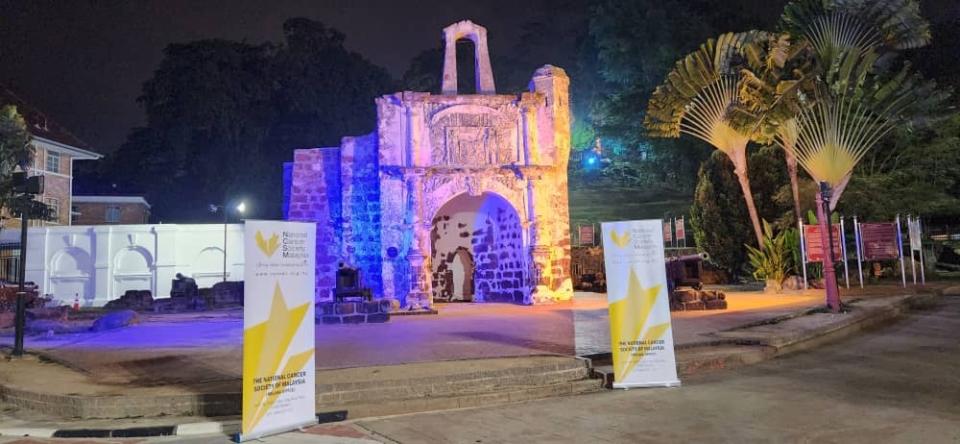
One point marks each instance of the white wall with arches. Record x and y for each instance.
(96, 264)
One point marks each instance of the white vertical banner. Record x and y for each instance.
(916, 244)
(278, 327)
(640, 331)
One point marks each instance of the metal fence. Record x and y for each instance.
(9, 262)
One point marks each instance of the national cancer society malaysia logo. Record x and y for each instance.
(620, 240)
(268, 246)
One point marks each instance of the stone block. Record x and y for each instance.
(345, 308)
(354, 319)
(370, 307)
(325, 309)
(389, 305)
(377, 318)
(330, 320)
(716, 304)
(686, 295)
(116, 319)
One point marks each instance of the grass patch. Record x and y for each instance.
(600, 201)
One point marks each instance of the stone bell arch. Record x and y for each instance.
(481, 56)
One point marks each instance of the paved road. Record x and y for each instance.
(899, 384)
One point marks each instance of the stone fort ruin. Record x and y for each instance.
(452, 197)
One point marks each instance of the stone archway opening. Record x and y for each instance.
(477, 251)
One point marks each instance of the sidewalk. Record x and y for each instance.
(785, 333)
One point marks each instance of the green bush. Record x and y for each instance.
(719, 217)
(771, 262)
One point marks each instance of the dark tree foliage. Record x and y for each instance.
(222, 116)
(14, 149)
(719, 215)
(637, 43)
(912, 172)
(768, 179)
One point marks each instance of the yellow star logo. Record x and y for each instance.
(620, 240)
(265, 345)
(268, 247)
(628, 319)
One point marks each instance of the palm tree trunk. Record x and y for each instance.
(794, 181)
(838, 190)
(739, 159)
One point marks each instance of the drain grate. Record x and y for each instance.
(136, 432)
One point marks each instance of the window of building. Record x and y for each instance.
(53, 162)
(113, 215)
(74, 214)
(54, 205)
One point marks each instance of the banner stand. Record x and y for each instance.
(903, 269)
(803, 252)
(240, 437)
(858, 239)
(626, 386)
(638, 300)
(843, 251)
(278, 388)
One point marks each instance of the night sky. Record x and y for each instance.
(83, 61)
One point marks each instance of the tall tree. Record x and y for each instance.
(718, 216)
(862, 94)
(222, 116)
(698, 98)
(14, 149)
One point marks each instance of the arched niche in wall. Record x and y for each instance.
(70, 276)
(208, 267)
(133, 269)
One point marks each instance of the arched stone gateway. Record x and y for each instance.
(392, 202)
(477, 245)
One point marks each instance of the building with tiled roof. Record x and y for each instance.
(55, 150)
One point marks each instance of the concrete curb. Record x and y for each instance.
(32, 432)
(226, 428)
(730, 350)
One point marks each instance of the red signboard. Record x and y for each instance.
(879, 241)
(586, 235)
(681, 231)
(814, 243)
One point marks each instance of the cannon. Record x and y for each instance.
(348, 285)
(685, 287)
(685, 271)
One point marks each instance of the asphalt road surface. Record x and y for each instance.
(897, 384)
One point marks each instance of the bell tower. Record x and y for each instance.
(481, 57)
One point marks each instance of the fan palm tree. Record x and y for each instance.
(855, 107)
(698, 98)
(846, 32)
(776, 79)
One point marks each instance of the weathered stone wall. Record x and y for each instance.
(359, 176)
(315, 196)
(428, 150)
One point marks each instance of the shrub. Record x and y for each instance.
(770, 262)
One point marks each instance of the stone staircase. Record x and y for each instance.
(409, 388)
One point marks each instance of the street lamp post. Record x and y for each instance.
(240, 208)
